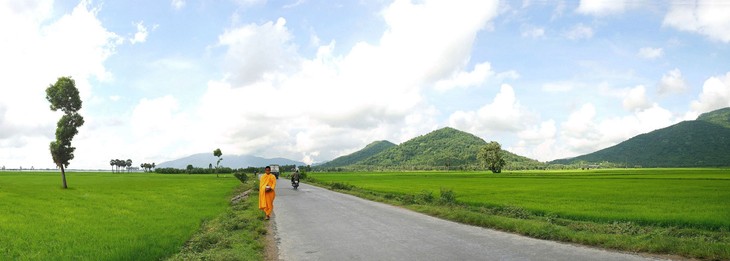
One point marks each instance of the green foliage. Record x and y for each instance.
(64, 96)
(443, 149)
(236, 234)
(492, 156)
(241, 177)
(720, 117)
(106, 216)
(447, 197)
(369, 150)
(686, 144)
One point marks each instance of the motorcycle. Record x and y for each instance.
(295, 180)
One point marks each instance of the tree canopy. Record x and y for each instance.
(64, 96)
(492, 156)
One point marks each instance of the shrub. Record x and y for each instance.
(341, 186)
(447, 197)
(425, 196)
(241, 176)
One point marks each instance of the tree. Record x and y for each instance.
(217, 152)
(112, 162)
(492, 156)
(189, 168)
(64, 96)
(128, 164)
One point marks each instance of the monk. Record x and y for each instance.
(266, 192)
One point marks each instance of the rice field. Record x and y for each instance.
(105, 216)
(696, 198)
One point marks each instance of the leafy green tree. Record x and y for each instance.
(64, 96)
(492, 156)
(189, 168)
(217, 152)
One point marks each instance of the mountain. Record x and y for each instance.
(369, 150)
(700, 143)
(446, 147)
(202, 160)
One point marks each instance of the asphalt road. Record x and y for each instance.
(317, 224)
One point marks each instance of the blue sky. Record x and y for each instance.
(313, 80)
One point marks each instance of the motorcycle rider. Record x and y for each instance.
(295, 177)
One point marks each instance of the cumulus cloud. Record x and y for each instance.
(503, 114)
(371, 92)
(476, 77)
(579, 31)
(672, 82)
(636, 99)
(715, 95)
(601, 7)
(650, 53)
(73, 44)
(706, 17)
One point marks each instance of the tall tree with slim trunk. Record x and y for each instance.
(64, 96)
(217, 152)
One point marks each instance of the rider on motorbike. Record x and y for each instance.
(295, 178)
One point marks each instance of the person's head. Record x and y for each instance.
(267, 170)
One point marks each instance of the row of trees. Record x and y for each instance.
(147, 167)
(120, 164)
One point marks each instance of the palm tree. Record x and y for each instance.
(128, 164)
(111, 162)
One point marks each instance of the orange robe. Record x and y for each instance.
(266, 199)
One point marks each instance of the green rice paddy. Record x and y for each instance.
(104, 216)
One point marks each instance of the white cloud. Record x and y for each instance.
(706, 17)
(141, 35)
(601, 7)
(476, 77)
(257, 53)
(672, 82)
(579, 31)
(73, 44)
(279, 103)
(178, 4)
(650, 53)
(715, 95)
(503, 114)
(584, 133)
(636, 99)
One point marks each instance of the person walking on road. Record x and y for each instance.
(266, 192)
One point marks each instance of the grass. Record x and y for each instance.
(237, 234)
(105, 216)
(666, 211)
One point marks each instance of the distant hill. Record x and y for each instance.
(700, 143)
(202, 160)
(442, 148)
(369, 150)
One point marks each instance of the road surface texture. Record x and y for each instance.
(317, 224)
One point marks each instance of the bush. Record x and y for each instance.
(341, 186)
(447, 197)
(425, 197)
(241, 176)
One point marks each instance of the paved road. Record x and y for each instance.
(317, 224)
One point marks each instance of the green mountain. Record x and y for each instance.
(700, 143)
(443, 148)
(369, 150)
(720, 117)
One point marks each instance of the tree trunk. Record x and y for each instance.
(63, 176)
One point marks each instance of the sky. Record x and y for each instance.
(312, 80)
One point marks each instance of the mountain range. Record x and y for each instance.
(202, 160)
(703, 142)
